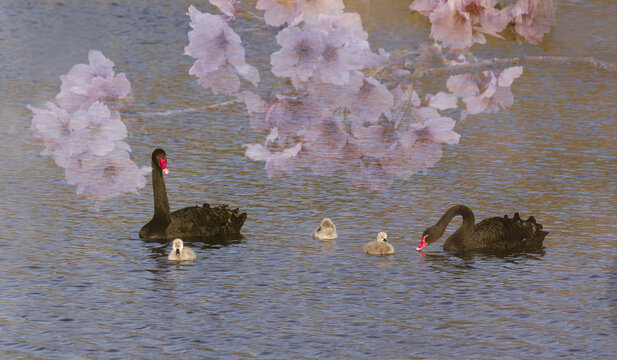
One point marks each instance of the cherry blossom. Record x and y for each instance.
(371, 100)
(102, 177)
(95, 130)
(219, 53)
(312, 9)
(84, 134)
(227, 7)
(277, 162)
(426, 7)
(85, 84)
(460, 23)
(489, 92)
(329, 50)
(279, 12)
(325, 141)
(533, 18)
(300, 55)
(51, 125)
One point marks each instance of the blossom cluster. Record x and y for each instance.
(84, 132)
(458, 24)
(340, 114)
(219, 54)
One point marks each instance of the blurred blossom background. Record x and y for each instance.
(355, 115)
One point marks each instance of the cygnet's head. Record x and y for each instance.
(326, 230)
(382, 237)
(326, 224)
(178, 244)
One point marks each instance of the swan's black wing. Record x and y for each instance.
(206, 222)
(507, 234)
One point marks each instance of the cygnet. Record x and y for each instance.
(380, 246)
(325, 231)
(181, 253)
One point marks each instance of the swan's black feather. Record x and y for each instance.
(496, 233)
(190, 222)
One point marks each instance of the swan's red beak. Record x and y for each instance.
(163, 163)
(422, 243)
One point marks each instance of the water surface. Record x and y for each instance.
(76, 282)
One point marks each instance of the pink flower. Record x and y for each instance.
(227, 7)
(533, 18)
(277, 162)
(346, 48)
(85, 84)
(95, 129)
(329, 50)
(324, 145)
(312, 9)
(487, 93)
(425, 7)
(369, 173)
(331, 97)
(278, 12)
(460, 23)
(419, 148)
(300, 54)
(51, 125)
(219, 53)
(102, 177)
(370, 101)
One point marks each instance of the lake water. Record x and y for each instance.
(77, 283)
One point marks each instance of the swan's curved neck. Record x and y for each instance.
(468, 220)
(161, 204)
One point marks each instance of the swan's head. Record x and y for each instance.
(178, 244)
(159, 160)
(429, 236)
(382, 237)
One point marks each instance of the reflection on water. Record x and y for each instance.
(76, 282)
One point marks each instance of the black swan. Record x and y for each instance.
(203, 222)
(496, 233)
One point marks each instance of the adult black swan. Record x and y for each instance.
(496, 233)
(189, 222)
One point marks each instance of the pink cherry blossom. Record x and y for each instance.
(85, 84)
(84, 133)
(95, 130)
(486, 93)
(329, 50)
(300, 55)
(419, 148)
(533, 18)
(227, 7)
(460, 23)
(277, 162)
(51, 125)
(369, 173)
(312, 9)
(370, 101)
(279, 12)
(100, 178)
(331, 97)
(346, 48)
(426, 7)
(219, 53)
(324, 144)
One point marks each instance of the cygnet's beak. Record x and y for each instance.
(177, 251)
